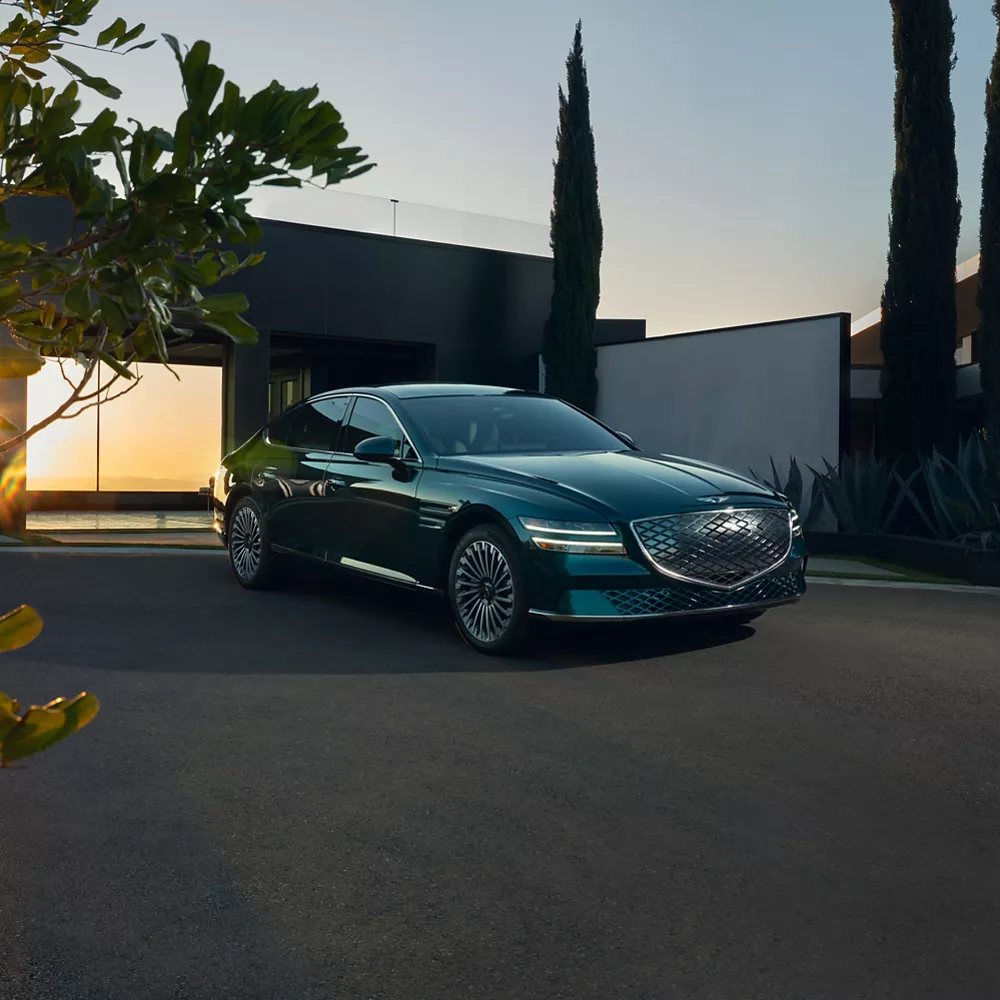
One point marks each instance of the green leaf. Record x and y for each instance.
(234, 327)
(77, 300)
(97, 83)
(38, 729)
(284, 182)
(116, 30)
(8, 426)
(209, 268)
(8, 714)
(79, 712)
(166, 188)
(141, 45)
(18, 363)
(19, 627)
(130, 35)
(10, 295)
(116, 366)
(113, 316)
(231, 302)
(175, 45)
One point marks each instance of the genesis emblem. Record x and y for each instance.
(716, 499)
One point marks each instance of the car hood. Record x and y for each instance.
(622, 485)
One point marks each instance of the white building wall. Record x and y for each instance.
(735, 397)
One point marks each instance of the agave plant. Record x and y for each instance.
(865, 493)
(793, 489)
(957, 505)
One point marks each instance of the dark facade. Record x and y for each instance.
(336, 308)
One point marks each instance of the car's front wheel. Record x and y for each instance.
(249, 554)
(486, 591)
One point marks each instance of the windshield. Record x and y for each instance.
(507, 425)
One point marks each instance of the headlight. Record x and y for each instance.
(580, 537)
(796, 523)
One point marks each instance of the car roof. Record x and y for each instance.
(417, 390)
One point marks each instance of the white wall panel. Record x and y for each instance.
(735, 397)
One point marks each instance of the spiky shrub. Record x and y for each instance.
(41, 726)
(793, 488)
(865, 493)
(957, 502)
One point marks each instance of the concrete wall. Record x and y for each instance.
(737, 396)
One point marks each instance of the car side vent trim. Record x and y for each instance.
(435, 515)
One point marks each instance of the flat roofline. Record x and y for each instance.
(967, 269)
(736, 326)
(388, 238)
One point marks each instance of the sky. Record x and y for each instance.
(745, 149)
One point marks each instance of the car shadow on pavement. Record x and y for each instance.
(424, 621)
(183, 616)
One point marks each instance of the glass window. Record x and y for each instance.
(372, 418)
(278, 430)
(64, 455)
(165, 433)
(317, 424)
(508, 424)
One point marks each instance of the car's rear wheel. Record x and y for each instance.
(249, 553)
(487, 593)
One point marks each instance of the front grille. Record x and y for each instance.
(686, 598)
(719, 548)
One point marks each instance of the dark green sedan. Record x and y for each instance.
(512, 504)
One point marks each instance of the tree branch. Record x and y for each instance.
(15, 442)
(107, 399)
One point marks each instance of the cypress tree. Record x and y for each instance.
(918, 305)
(989, 276)
(577, 237)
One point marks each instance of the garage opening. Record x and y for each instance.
(302, 366)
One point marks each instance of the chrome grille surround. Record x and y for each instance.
(724, 549)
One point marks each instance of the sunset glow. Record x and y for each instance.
(163, 435)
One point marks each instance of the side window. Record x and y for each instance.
(278, 429)
(317, 425)
(371, 418)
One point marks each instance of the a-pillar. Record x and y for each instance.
(246, 371)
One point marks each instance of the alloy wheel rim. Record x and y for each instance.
(244, 543)
(484, 591)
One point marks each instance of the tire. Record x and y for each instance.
(486, 592)
(250, 556)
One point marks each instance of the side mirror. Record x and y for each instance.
(627, 438)
(376, 449)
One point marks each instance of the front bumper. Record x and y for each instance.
(605, 588)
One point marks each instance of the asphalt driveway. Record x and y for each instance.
(325, 794)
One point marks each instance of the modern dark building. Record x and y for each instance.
(335, 308)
